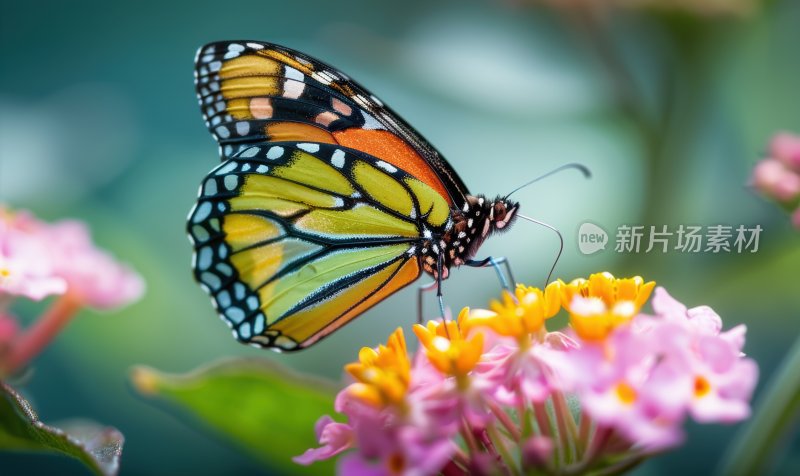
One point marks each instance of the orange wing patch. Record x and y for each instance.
(298, 132)
(394, 150)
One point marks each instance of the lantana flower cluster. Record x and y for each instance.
(39, 259)
(778, 175)
(495, 392)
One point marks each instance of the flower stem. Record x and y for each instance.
(542, 419)
(469, 438)
(548, 429)
(36, 337)
(567, 430)
(602, 435)
(506, 421)
(584, 433)
(497, 441)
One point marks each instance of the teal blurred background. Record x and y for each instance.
(670, 110)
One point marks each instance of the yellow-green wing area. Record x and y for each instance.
(293, 240)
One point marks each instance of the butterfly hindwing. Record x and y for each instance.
(292, 240)
(254, 92)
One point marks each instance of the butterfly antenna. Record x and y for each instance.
(560, 244)
(574, 165)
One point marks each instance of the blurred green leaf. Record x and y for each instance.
(265, 409)
(777, 411)
(98, 447)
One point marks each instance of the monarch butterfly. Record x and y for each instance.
(325, 203)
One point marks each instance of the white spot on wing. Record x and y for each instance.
(293, 89)
(204, 258)
(370, 122)
(275, 152)
(250, 152)
(386, 166)
(242, 128)
(309, 147)
(202, 212)
(292, 73)
(231, 181)
(222, 132)
(227, 168)
(211, 187)
(337, 159)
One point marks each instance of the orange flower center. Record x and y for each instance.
(701, 386)
(626, 393)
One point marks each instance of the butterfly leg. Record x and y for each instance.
(437, 284)
(420, 295)
(495, 263)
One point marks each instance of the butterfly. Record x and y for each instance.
(325, 203)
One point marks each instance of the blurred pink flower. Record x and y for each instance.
(334, 438)
(785, 147)
(25, 269)
(93, 276)
(775, 180)
(38, 259)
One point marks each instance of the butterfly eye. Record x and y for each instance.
(499, 212)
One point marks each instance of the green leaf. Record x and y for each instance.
(265, 409)
(96, 446)
(777, 413)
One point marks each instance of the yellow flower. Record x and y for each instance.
(448, 349)
(382, 375)
(601, 303)
(519, 315)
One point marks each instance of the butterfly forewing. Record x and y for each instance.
(251, 92)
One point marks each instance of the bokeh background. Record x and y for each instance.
(670, 103)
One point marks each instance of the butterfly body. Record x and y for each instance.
(325, 202)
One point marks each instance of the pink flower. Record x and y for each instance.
(521, 374)
(774, 179)
(334, 438)
(38, 259)
(403, 450)
(465, 403)
(717, 381)
(25, 269)
(622, 385)
(786, 148)
(93, 276)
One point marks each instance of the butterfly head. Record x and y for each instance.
(478, 218)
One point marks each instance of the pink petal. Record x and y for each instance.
(704, 318)
(355, 465)
(786, 148)
(334, 438)
(666, 306)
